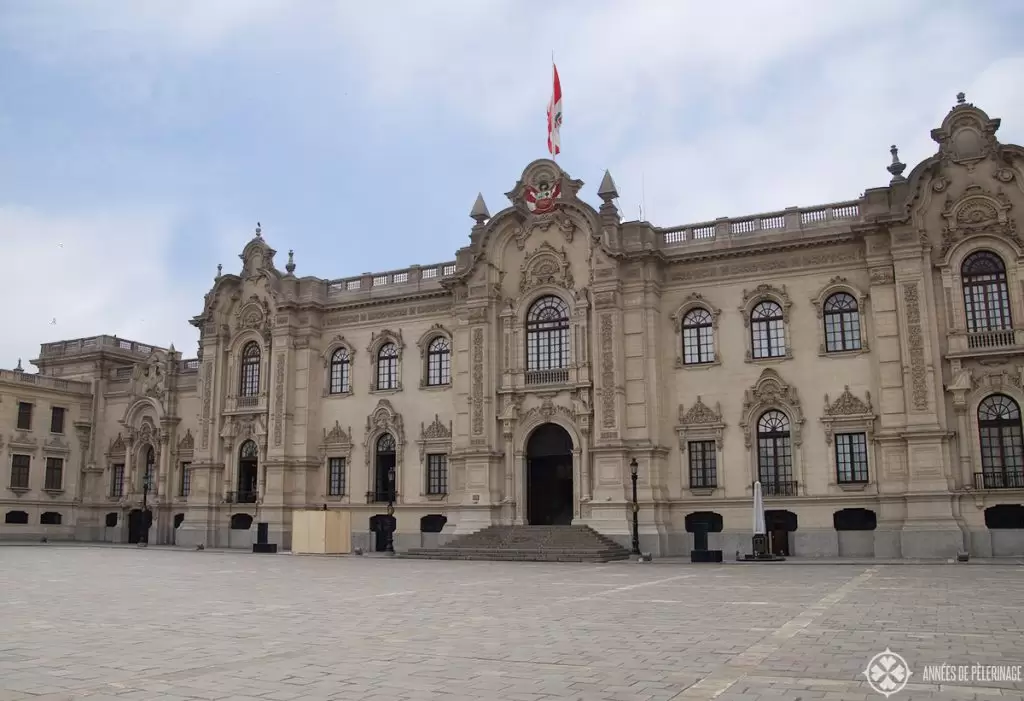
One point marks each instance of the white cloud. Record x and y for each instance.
(91, 273)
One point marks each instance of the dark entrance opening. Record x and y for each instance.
(854, 520)
(138, 525)
(779, 525)
(248, 473)
(549, 477)
(1004, 516)
(178, 520)
(380, 526)
(384, 465)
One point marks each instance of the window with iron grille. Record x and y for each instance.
(53, 479)
(117, 480)
(851, 458)
(439, 362)
(20, 465)
(1002, 447)
(547, 334)
(437, 474)
(150, 473)
(56, 419)
(24, 416)
(250, 378)
(186, 479)
(774, 451)
(335, 477)
(767, 331)
(842, 323)
(340, 366)
(698, 337)
(986, 294)
(387, 367)
(703, 464)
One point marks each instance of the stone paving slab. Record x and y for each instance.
(119, 623)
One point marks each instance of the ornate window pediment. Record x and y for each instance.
(117, 446)
(771, 392)
(978, 211)
(435, 438)
(700, 422)
(337, 442)
(187, 442)
(383, 419)
(253, 314)
(545, 266)
(847, 413)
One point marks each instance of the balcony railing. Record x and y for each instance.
(547, 377)
(989, 339)
(95, 343)
(776, 488)
(999, 480)
(242, 497)
(381, 496)
(794, 219)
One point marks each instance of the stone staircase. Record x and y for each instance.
(528, 543)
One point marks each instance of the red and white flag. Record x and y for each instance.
(555, 116)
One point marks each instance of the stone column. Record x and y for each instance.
(520, 468)
(509, 496)
(585, 493)
(577, 482)
(964, 443)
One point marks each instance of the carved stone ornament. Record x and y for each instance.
(762, 292)
(967, 135)
(117, 446)
(332, 347)
(700, 413)
(915, 346)
(700, 422)
(978, 211)
(771, 392)
(383, 419)
(253, 314)
(149, 379)
(847, 404)
(546, 265)
(608, 390)
(436, 430)
(337, 435)
(385, 336)
(546, 411)
(432, 333)
(187, 442)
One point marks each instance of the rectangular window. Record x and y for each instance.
(19, 471)
(24, 416)
(335, 477)
(851, 458)
(57, 419)
(186, 478)
(117, 480)
(437, 474)
(703, 464)
(54, 478)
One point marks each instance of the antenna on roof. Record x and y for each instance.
(643, 195)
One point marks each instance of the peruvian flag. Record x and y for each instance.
(555, 116)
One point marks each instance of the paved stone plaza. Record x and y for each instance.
(106, 623)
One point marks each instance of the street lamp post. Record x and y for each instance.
(633, 468)
(390, 545)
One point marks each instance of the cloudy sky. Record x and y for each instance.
(141, 141)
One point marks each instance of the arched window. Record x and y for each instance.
(439, 362)
(385, 462)
(842, 323)
(387, 366)
(767, 330)
(1002, 447)
(547, 334)
(698, 337)
(150, 473)
(775, 454)
(340, 365)
(986, 294)
(250, 384)
(385, 444)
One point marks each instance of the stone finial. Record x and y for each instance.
(290, 267)
(607, 190)
(479, 212)
(219, 269)
(19, 368)
(960, 98)
(259, 230)
(896, 168)
(171, 349)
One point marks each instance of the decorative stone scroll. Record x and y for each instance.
(701, 422)
(847, 413)
(607, 372)
(435, 438)
(478, 381)
(915, 346)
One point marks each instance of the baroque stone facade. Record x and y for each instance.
(863, 360)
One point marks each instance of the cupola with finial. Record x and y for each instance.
(608, 193)
(290, 266)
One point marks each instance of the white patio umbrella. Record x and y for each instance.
(759, 528)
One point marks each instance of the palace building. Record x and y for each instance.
(863, 360)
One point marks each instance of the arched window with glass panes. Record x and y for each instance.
(698, 337)
(249, 385)
(547, 340)
(340, 368)
(387, 366)
(767, 330)
(1002, 446)
(986, 293)
(439, 362)
(775, 454)
(842, 323)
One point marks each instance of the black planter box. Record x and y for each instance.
(264, 547)
(705, 556)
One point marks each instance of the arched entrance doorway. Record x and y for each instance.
(248, 472)
(549, 490)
